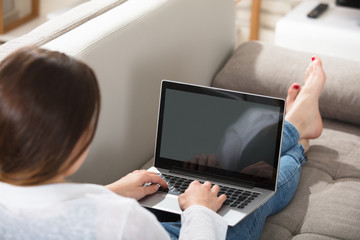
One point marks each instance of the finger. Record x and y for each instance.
(157, 175)
(153, 173)
(207, 184)
(220, 201)
(181, 201)
(222, 198)
(194, 183)
(155, 179)
(150, 189)
(215, 189)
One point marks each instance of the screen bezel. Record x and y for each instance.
(210, 172)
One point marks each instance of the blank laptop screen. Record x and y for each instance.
(219, 133)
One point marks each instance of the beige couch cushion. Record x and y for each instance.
(270, 70)
(327, 202)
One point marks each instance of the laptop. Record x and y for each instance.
(232, 139)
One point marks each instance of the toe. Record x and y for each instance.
(316, 60)
(293, 91)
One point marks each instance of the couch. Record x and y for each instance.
(133, 44)
(326, 204)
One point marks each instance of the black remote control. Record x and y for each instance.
(318, 10)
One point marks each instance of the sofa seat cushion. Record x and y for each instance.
(270, 70)
(327, 202)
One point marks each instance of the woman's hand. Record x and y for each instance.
(202, 194)
(132, 185)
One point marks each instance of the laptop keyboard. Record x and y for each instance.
(236, 198)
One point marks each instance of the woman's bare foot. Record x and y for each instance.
(304, 113)
(291, 96)
(293, 92)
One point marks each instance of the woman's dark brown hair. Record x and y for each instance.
(48, 102)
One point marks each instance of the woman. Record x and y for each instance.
(49, 109)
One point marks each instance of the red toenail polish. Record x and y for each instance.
(296, 86)
(313, 58)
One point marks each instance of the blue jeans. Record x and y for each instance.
(291, 161)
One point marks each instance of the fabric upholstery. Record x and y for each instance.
(326, 205)
(60, 25)
(131, 48)
(327, 202)
(267, 69)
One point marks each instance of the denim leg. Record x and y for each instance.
(173, 228)
(290, 137)
(291, 161)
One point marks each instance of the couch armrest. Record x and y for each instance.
(59, 25)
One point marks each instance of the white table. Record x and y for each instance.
(336, 32)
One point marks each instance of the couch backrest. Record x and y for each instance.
(132, 48)
(60, 25)
(270, 70)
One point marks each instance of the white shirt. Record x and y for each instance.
(89, 211)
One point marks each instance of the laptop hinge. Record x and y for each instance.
(210, 177)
